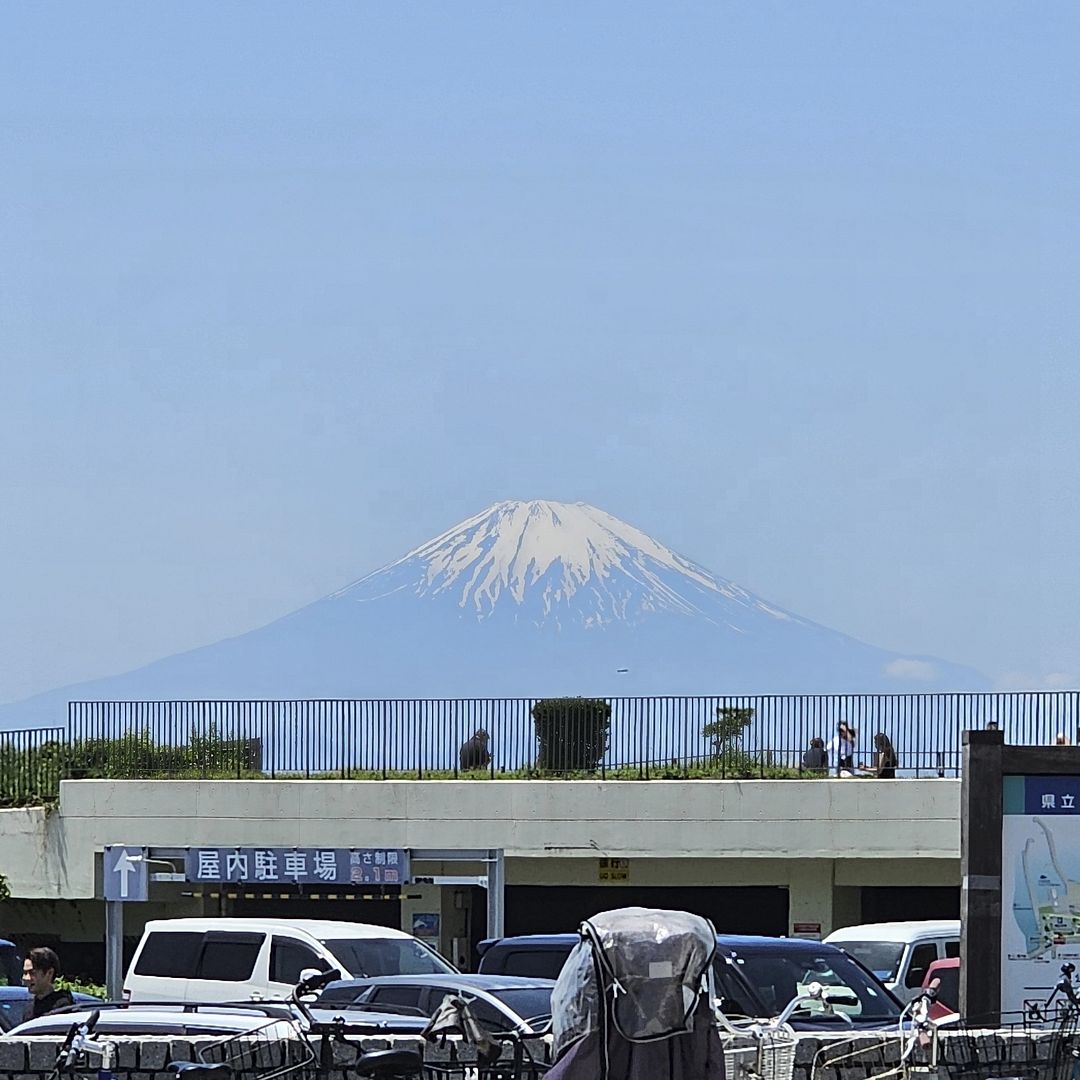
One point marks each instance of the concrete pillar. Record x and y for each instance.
(455, 916)
(811, 894)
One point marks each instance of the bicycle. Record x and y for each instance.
(80, 1043)
(373, 1065)
(284, 1048)
(773, 1041)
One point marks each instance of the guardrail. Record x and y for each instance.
(646, 737)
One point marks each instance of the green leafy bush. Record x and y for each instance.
(78, 985)
(572, 733)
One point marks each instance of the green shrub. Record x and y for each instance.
(77, 984)
(572, 733)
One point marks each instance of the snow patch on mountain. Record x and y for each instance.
(558, 559)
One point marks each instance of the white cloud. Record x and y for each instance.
(1051, 680)
(916, 670)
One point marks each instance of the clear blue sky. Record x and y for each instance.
(287, 288)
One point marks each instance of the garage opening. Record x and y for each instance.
(548, 909)
(901, 903)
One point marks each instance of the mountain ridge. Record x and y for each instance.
(524, 599)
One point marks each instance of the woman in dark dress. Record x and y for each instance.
(887, 762)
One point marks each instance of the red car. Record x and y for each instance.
(947, 974)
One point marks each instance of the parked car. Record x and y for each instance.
(899, 953)
(154, 1020)
(946, 973)
(532, 956)
(500, 1002)
(15, 1005)
(10, 964)
(755, 976)
(236, 959)
(758, 976)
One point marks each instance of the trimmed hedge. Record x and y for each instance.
(572, 733)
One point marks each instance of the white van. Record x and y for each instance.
(226, 959)
(899, 953)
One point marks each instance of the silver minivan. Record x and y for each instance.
(236, 959)
(899, 953)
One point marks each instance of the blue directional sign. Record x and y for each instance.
(126, 877)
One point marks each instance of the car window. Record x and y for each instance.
(528, 1002)
(952, 949)
(169, 956)
(288, 957)
(922, 956)
(948, 992)
(396, 995)
(881, 957)
(532, 963)
(10, 968)
(732, 994)
(368, 958)
(777, 977)
(492, 1018)
(229, 957)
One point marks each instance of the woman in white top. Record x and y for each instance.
(842, 747)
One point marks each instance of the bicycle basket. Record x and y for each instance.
(274, 1049)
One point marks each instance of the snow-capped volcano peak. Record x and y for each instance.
(523, 599)
(554, 559)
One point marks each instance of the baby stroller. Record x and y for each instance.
(634, 1000)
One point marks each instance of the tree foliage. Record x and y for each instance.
(572, 733)
(726, 731)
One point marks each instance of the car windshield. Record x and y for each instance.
(881, 957)
(366, 958)
(528, 1002)
(778, 977)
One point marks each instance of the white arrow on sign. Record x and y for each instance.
(125, 867)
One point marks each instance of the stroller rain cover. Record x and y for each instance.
(639, 972)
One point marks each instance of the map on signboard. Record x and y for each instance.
(1048, 907)
(1040, 886)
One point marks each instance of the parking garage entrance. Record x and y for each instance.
(546, 909)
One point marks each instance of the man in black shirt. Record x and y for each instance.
(40, 970)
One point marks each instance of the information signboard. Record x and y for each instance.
(1040, 886)
(292, 866)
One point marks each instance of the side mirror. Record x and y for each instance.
(312, 979)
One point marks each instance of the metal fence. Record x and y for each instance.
(646, 737)
(31, 765)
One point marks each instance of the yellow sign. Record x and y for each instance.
(613, 870)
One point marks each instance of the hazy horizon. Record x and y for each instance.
(286, 292)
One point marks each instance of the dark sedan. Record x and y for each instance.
(755, 976)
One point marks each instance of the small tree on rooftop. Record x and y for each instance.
(726, 732)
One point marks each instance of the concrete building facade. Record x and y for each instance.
(773, 856)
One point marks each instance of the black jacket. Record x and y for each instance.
(58, 999)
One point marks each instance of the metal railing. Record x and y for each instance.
(646, 736)
(32, 764)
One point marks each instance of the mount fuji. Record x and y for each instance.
(525, 599)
